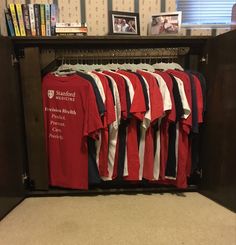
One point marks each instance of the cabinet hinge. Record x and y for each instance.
(201, 174)
(24, 178)
(204, 59)
(13, 60)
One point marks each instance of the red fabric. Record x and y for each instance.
(183, 157)
(70, 114)
(156, 108)
(138, 110)
(156, 101)
(148, 164)
(184, 160)
(164, 127)
(189, 161)
(171, 115)
(138, 107)
(132, 151)
(120, 82)
(187, 88)
(109, 117)
(122, 93)
(164, 141)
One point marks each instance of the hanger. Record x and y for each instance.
(64, 69)
(145, 67)
(170, 65)
(159, 65)
(129, 66)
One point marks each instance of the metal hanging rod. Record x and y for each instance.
(150, 53)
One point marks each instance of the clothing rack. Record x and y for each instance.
(121, 54)
(106, 56)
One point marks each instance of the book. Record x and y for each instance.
(70, 34)
(14, 19)
(37, 19)
(43, 20)
(71, 30)
(67, 24)
(53, 18)
(48, 20)
(10, 27)
(20, 19)
(25, 10)
(32, 19)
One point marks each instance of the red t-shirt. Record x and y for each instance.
(187, 88)
(137, 109)
(184, 130)
(164, 127)
(120, 82)
(70, 114)
(109, 117)
(156, 108)
(171, 114)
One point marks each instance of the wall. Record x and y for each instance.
(95, 13)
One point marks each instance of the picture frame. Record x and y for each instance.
(168, 23)
(123, 23)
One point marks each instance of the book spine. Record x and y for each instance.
(9, 22)
(20, 19)
(14, 19)
(53, 19)
(48, 20)
(26, 17)
(32, 19)
(37, 19)
(43, 21)
(71, 30)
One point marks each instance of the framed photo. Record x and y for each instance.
(165, 24)
(123, 23)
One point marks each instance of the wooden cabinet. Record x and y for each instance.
(212, 56)
(12, 137)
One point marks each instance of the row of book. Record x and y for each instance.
(31, 19)
(71, 29)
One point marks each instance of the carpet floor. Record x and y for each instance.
(187, 218)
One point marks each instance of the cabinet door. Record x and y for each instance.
(12, 145)
(218, 151)
(30, 70)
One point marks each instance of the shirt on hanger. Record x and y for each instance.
(183, 130)
(167, 151)
(113, 129)
(156, 109)
(137, 110)
(109, 117)
(93, 172)
(167, 106)
(126, 93)
(70, 115)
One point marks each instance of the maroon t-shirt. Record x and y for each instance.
(70, 114)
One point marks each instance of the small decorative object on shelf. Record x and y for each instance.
(165, 24)
(71, 29)
(31, 19)
(123, 23)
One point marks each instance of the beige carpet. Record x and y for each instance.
(119, 219)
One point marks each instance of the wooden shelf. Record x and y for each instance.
(110, 41)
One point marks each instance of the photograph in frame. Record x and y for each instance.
(123, 23)
(165, 24)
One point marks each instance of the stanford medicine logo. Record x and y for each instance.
(50, 94)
